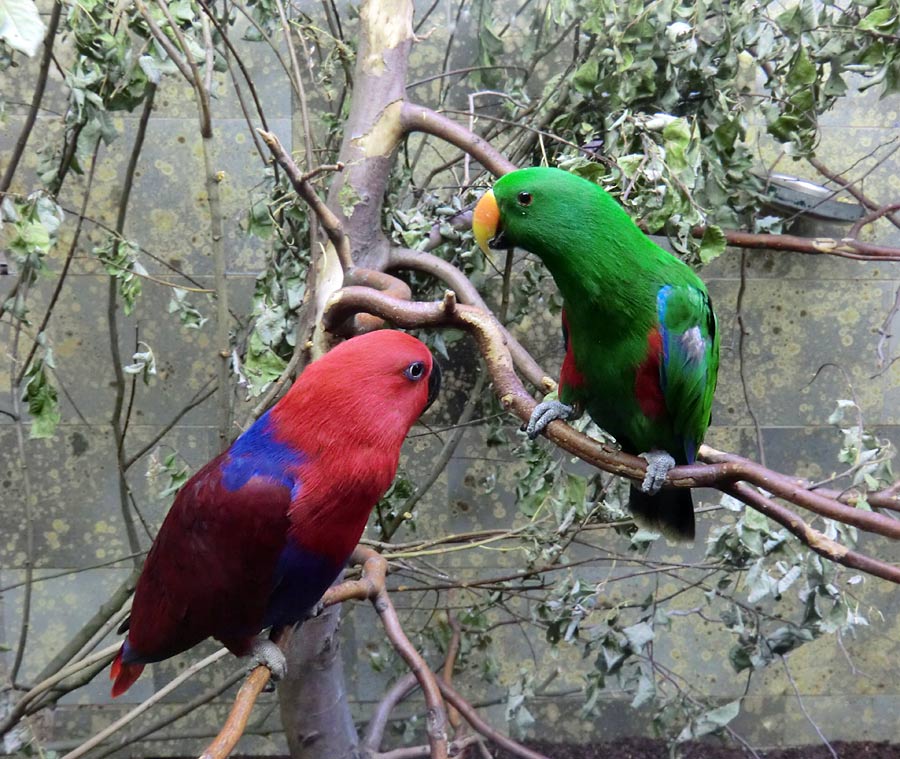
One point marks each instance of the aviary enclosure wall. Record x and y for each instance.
(800, 332)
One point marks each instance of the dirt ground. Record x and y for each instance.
(646, 748)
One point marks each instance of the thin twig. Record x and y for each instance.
(145, 705)
(806, 714)
(39, 86)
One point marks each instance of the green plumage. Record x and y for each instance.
(642, 345)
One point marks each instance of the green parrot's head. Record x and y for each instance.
(532, 208)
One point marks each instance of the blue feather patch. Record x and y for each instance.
(301, 577)
(256, 453)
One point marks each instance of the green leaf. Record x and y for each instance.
(803, 70)
(882, 18)
(712, 245)
(677, 138)
(20, 25)
(585, 78)
(709, 722)
(42, 399)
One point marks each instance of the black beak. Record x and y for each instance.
(499, 241)
(434, 383)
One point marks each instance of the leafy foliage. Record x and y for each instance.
(41, 396)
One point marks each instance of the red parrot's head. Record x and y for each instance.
(370, 389)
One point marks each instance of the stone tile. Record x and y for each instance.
(60, 607)
(796, 327)
(81, 460)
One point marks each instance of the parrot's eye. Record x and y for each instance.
(524, 198)
(415, 371)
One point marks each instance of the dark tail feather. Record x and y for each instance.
(123, 675)
(670, 512)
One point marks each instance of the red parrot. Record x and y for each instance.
(256, 536)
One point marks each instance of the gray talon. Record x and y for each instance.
(546, 412)
(658, 465)
(265, 652)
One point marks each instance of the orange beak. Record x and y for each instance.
(485, 220)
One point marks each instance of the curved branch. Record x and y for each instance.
(724, 470)
(418, 118)
(821, 544)
(377, 724)
(480, 726)
(239, 715)
(403, 258)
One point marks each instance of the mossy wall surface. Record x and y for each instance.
(800, 313)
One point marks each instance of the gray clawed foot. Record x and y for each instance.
(658, 465)
(265, 652)
(547, 412)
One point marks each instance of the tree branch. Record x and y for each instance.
(333, 227)
(371, 586)
(724, 470)
(403, 258)
(36, 98)
(418, 118)
(145, 705)
(482, 727)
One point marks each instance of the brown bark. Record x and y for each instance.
(314, 706)
(313, 696)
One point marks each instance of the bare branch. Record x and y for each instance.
(871, 218)
(145, 705)
(333, 227)
(39, 87)
(482, 727)
(403, 258)
(371, 586)
(378, 722)
(418, 118)
(845, 247)
(163, 39)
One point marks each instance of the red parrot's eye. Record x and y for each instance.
(415, 371)
(524, 198)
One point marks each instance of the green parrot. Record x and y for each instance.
(642, 348)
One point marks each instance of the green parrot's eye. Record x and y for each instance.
(524, 198)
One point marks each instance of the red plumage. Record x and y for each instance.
(569, 376)
(647, 387)
(256, 536)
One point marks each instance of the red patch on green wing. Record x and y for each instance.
(647, 388)
(569, 376)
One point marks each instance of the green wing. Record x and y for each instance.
(690, 360)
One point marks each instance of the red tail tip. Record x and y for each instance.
(123, 675)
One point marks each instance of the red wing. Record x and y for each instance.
(210, 570)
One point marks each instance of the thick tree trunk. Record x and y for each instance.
(373, 128)
(314, 706)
